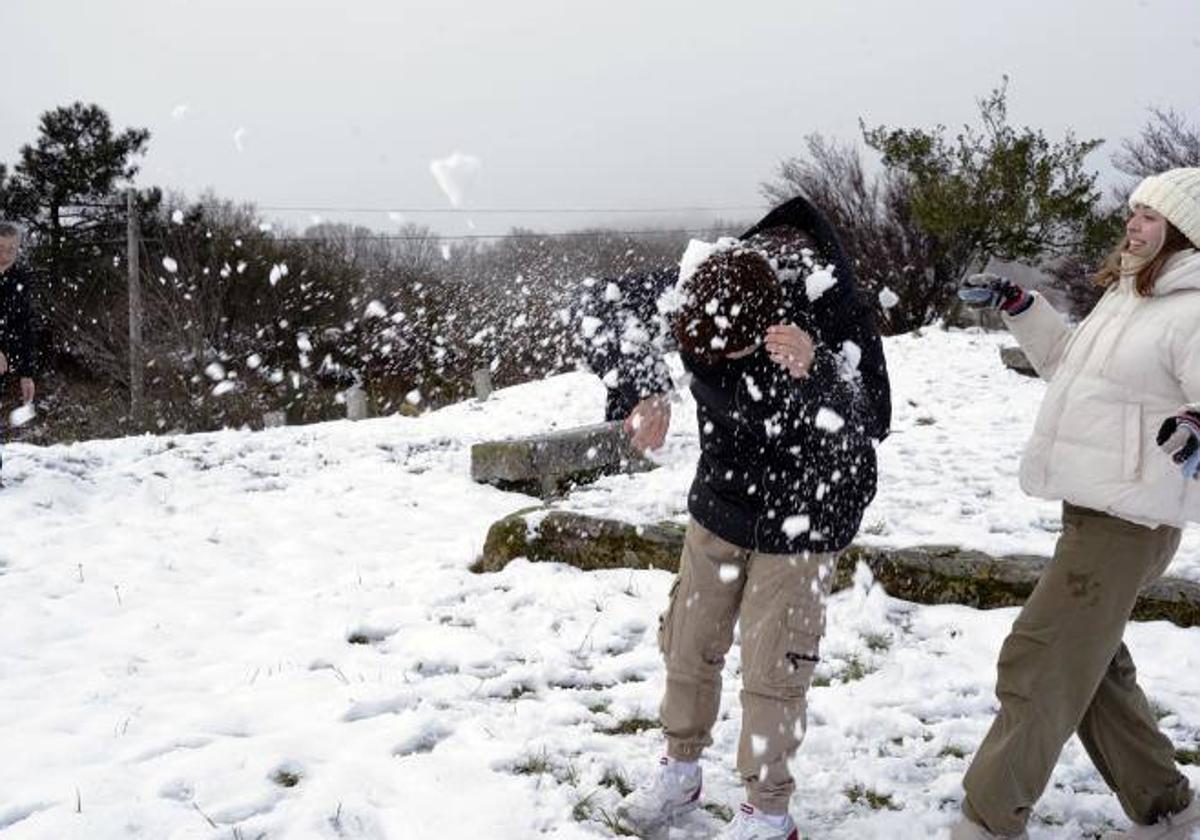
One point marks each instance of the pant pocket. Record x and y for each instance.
(790, 653)
(665, 620)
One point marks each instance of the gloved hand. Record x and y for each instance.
(1179, 437)
(991, 291)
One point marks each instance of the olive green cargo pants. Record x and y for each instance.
(1063, 669)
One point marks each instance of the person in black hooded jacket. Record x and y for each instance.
(625, 336)
(792, 395)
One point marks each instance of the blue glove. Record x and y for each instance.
(1179, 437)
(991, 291)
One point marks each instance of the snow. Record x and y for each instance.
(697, 252)
(887, 298)
(170, 265)
(796, 525)
(248, 633)
(456, 174)
(828, 420)
(819, 282)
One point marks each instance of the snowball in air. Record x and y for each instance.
(829, 420)
(455, 174)
(796, 525)
(818, 283)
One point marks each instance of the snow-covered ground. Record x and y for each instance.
(275, 635)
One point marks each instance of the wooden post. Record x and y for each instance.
(137, 363)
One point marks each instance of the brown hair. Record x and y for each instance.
(1110, 271)
(730, 300)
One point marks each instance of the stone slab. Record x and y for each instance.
(921, 574)
(549, 465)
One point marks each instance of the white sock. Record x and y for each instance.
(687, 769)
(773, 820)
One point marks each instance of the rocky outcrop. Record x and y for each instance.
(922, 574)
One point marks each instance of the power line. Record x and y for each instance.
(475, 211)
(383, 237)
(483, 211)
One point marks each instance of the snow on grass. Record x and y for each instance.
(239, 634)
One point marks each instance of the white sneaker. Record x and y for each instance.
(964, 829)
(1175, 827)
(751, 824)
(666, 797)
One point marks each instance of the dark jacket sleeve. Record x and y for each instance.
(851, 367)
(17, 339)
(622, 337)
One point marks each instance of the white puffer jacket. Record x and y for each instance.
(1113, 379)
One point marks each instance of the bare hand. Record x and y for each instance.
(791, 348)
(3, 363)
(647, 424)
(27, 390)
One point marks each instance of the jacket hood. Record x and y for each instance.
(801, 213)
(1181, 273)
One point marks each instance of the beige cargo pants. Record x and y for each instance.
(1063, 669)
(781, 602)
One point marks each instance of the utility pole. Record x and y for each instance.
(137, 363)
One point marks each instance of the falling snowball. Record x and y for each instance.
(888, 298)
(215, 371)
(818, 283)
(375, 309)
(829, 420)
(796, 525)
(413, 397)
(223, 388)
(177, 217)
(728, 572)
(170, 264)
(179, 112)
(758, 745)
(278, 271)
(22, 415)
(455, 175)
(239, 137)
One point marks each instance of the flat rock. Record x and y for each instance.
(549, 465)
(1014, 359)
(921, 574)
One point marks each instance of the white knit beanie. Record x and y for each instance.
(1176, 194)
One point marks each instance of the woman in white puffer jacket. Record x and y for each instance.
(1117, 439)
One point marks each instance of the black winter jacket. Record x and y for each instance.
(16, 320)
(786, 465)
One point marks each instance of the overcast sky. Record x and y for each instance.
(567, 103)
